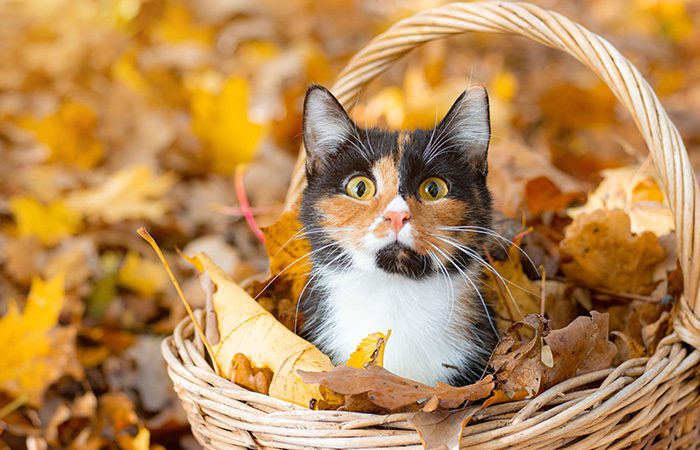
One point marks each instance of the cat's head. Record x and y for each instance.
(413, 203)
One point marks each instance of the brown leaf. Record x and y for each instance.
(604, 253)
(518, 365)
(393, 392)
(256, 379)
(579, 348)
(442, 429)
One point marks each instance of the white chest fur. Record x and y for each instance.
(429, 336)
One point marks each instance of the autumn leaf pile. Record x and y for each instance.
(175, 115)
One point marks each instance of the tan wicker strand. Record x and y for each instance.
(646, 403)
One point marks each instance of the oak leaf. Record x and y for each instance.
(604, 253)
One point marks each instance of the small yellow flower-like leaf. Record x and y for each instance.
(132, 193)
(220, 120)
(142, 276)
(370, 351)
(26, 341)
(48, 222)
(69, 134)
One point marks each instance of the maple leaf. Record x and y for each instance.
(50, 223)
(26, 363)
(604, 253)
(69, 135)
(132, 193)
(220, 119)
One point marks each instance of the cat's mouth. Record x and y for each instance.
(399, 259)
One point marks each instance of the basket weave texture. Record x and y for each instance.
(651, 402)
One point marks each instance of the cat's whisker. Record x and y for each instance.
(493, 233)
(443, 271)
(469, 280)
(307, 254)
(491, 269)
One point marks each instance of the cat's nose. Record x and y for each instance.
(397, 219)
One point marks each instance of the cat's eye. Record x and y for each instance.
(360, 188)
(432, 189)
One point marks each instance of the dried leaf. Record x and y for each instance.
(69, 134)
(604, 253)
(256, 379)
(579, 348)
(393, 392)
(370, 351)
(220, 119)
(442, 429)
(288, 250)
(246, 327)
(141, 275)
(635, 191)
(27, 339)
(133, 193)
(50, 223)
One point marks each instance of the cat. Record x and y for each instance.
(397, 221)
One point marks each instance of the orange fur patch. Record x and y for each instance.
(427, 216)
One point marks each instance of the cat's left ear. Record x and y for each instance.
(326, 126)
(467, 125)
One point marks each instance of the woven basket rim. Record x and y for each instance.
(637, 396)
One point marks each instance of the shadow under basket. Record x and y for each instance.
(645, 403)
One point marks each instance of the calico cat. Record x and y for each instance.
(397, 222)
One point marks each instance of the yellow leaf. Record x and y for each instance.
(142, 440)
(48, 222)
(370, 351)
(517, 296)
(132, 193)
(69, 135)
(246, 327)
(142, 276)
(177, 26)
(220, 119)
(288, 252)
(635, 191)
(504, 85)
(25, 360)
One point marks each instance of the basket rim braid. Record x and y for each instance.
(650, 402)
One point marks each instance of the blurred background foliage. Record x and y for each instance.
(121, 113)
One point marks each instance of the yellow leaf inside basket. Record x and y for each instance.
(246, 327)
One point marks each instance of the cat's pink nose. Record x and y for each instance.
(397, 219)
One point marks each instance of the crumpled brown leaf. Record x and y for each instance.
(442, 429)
(526, 368)
(392, 392)
(604, 253)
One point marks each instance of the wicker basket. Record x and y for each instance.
(644, 403)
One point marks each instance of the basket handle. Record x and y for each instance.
(623, 79)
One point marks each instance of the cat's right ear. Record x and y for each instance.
(326, 126)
